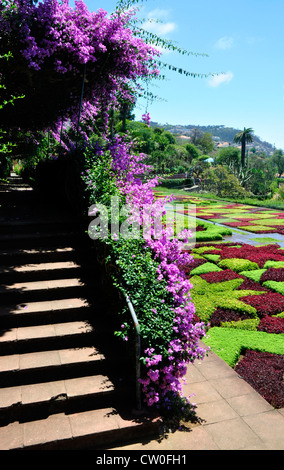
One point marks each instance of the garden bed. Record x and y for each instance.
(238, 291)
(235, 215)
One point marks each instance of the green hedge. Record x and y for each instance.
(205, 268)
(238, 265)
(176, 182)
(275, 286)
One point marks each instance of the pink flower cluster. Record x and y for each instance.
(164, 373)
(52, 39)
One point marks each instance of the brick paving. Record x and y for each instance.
(233, 415)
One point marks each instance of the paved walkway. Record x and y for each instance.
(233, 415)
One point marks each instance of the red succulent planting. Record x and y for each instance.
(223, 315)
(255, 254)
(226, 275)
(273, 274)
(233, 224)
(264, 372)
(271, 324)
(269, 303)
(249, 284)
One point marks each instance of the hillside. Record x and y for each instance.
(220, 134)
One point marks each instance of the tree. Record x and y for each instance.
(192, 151)
(229, 156)
(205, 143)
(243, 138)
(278, 160)
(224, 183)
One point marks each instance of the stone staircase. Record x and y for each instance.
(65, 381)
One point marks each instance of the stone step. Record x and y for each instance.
(11, 257)
(25, 230)
(94, 429)
(37, 313)
(35, 367)
(37, 239)
(41, 271)
(45, 290)
(38, 399)
(44, 337)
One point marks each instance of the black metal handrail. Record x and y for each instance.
(138, 351)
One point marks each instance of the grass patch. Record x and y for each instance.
(229, 343)
(253, 275)
(265, 240)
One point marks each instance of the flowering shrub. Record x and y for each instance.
(264, 372)
(151, 271)
(271, 324)
(56, 49)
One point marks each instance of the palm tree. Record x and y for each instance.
(243, 137)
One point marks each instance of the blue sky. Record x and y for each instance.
(244, 39)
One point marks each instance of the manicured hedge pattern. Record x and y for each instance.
(220, 298)
(233, 330)
(269, 303)
(264, 372)
(222, 315)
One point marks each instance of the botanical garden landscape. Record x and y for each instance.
(229, 295)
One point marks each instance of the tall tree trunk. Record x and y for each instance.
(243, 152)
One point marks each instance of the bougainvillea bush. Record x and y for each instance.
(62, 55)
(77, 67)
(148, 269)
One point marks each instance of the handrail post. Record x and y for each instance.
(138, 352)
